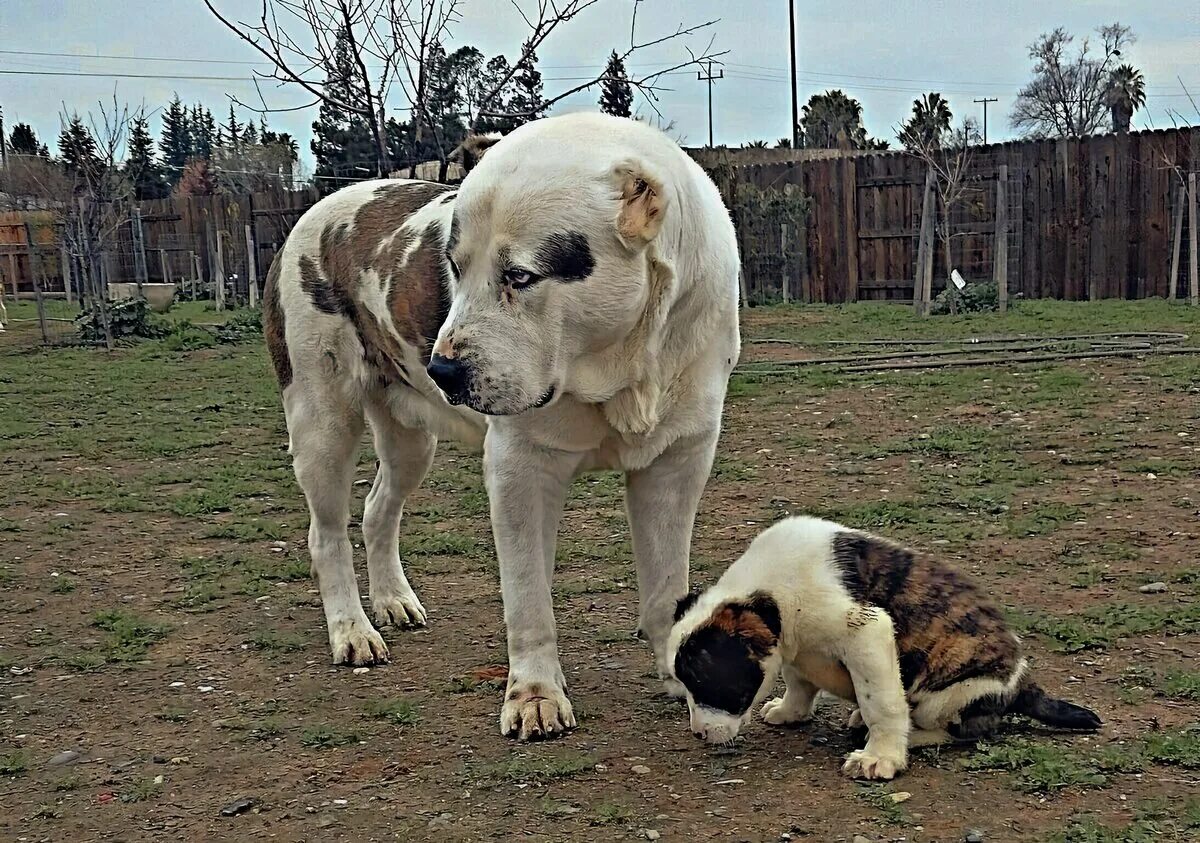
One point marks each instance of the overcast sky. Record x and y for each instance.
(883, 52)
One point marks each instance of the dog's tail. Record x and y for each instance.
(1033, 702)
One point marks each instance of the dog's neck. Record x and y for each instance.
(635, 379)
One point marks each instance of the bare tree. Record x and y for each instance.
(949, 158)
(1067, 96)
(551, 15)
(335, 38)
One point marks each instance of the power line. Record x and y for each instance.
(985, 102)
(709, 78)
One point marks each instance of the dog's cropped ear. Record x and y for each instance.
(686, 602)
(643, 204)
(471, 150)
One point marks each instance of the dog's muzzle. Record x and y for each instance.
(452, 377)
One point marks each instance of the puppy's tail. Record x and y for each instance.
(1033, 702)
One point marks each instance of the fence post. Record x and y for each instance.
(924, 266)
(251, 267)
(742, 288)
(139, 255)
(219, 290)
(195, 273)
(64, 261)
(1193, 258)
(785, 280)
(166, 270)
(1000, 252)
(1181, 196)
(35, 263)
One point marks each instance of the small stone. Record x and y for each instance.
(640, 769)
(359, 671)
(731, 781)
(900, 796)
(341, 802)
(175, 685)
(160, 778)
(68, 756)
(651, 834)
(858, 838)
(238, 806)
(1153, 588)
(973, 836)
(204, 689)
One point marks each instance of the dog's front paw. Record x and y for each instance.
(778, 713)
(354, 641)
(398, 606)
(862, 764)
(674, 688)
(855, 720)
(535, 710)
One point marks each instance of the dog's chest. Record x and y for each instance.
(828, 674)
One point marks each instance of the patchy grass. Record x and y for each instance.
(327, 737)
(880, 797)
(1180, 748)
(1037, 766)
(129, 635)
(1099, 626)
(611, 813)
(394, 710)
(141, 790)
(273, 639)
(1182, 685)
(521, 768)
(13, 763)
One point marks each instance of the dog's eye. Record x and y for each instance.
(453, 266)
(519, 278)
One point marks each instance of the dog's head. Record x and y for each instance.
(726, 656)
(547, 248)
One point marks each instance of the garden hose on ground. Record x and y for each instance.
(975, 351)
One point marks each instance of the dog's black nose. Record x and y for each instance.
(450, 375)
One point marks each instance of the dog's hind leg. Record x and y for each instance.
(404, 459)
(325, 427)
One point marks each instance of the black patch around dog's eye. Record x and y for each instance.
(566, 256)
(686, 602)
(719, 669)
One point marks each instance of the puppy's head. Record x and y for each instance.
(547, 249)
(725, 654)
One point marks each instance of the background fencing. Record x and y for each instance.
(1086, 219)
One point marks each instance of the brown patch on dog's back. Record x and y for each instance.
(417, 282)
(274, 326)
(946, 629)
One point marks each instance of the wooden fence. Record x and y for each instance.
(188, 240)
(1086, 219)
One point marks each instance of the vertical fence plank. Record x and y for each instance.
(850, 181)
(923, 266)
(1193, 258)
(1181, 197)
(1000, 252)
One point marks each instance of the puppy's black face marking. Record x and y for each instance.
(720, 670)
(686, 602)
(720, 663)
(566, 256)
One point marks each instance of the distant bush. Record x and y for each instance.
(974, 298)
(128, 318)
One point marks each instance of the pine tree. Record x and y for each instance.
(233, 131)
(250, 135)
(526, 101)
(203, 133)
(24, 141)
(616, 94)
(175, 141)
(140, 168)
(342, 142)
(77, 149)
(496, 69)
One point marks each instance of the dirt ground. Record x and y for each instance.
(164, 656)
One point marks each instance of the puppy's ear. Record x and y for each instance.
(755, 621)
(686, 602)
(765, 607)
(643, 204)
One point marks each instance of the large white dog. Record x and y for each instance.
(581, 287)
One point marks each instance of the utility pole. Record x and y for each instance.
(985, 102)
(3, 142)
(792, 44)
(708, 77)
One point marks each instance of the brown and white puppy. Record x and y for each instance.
(922, 652)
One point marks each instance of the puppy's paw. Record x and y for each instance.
(674, 688)
(862, 764)
(778, 713)
(854, 721)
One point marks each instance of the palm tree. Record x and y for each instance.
(1126, 94)
(833, 120)
(930, 121)
(756, 144)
